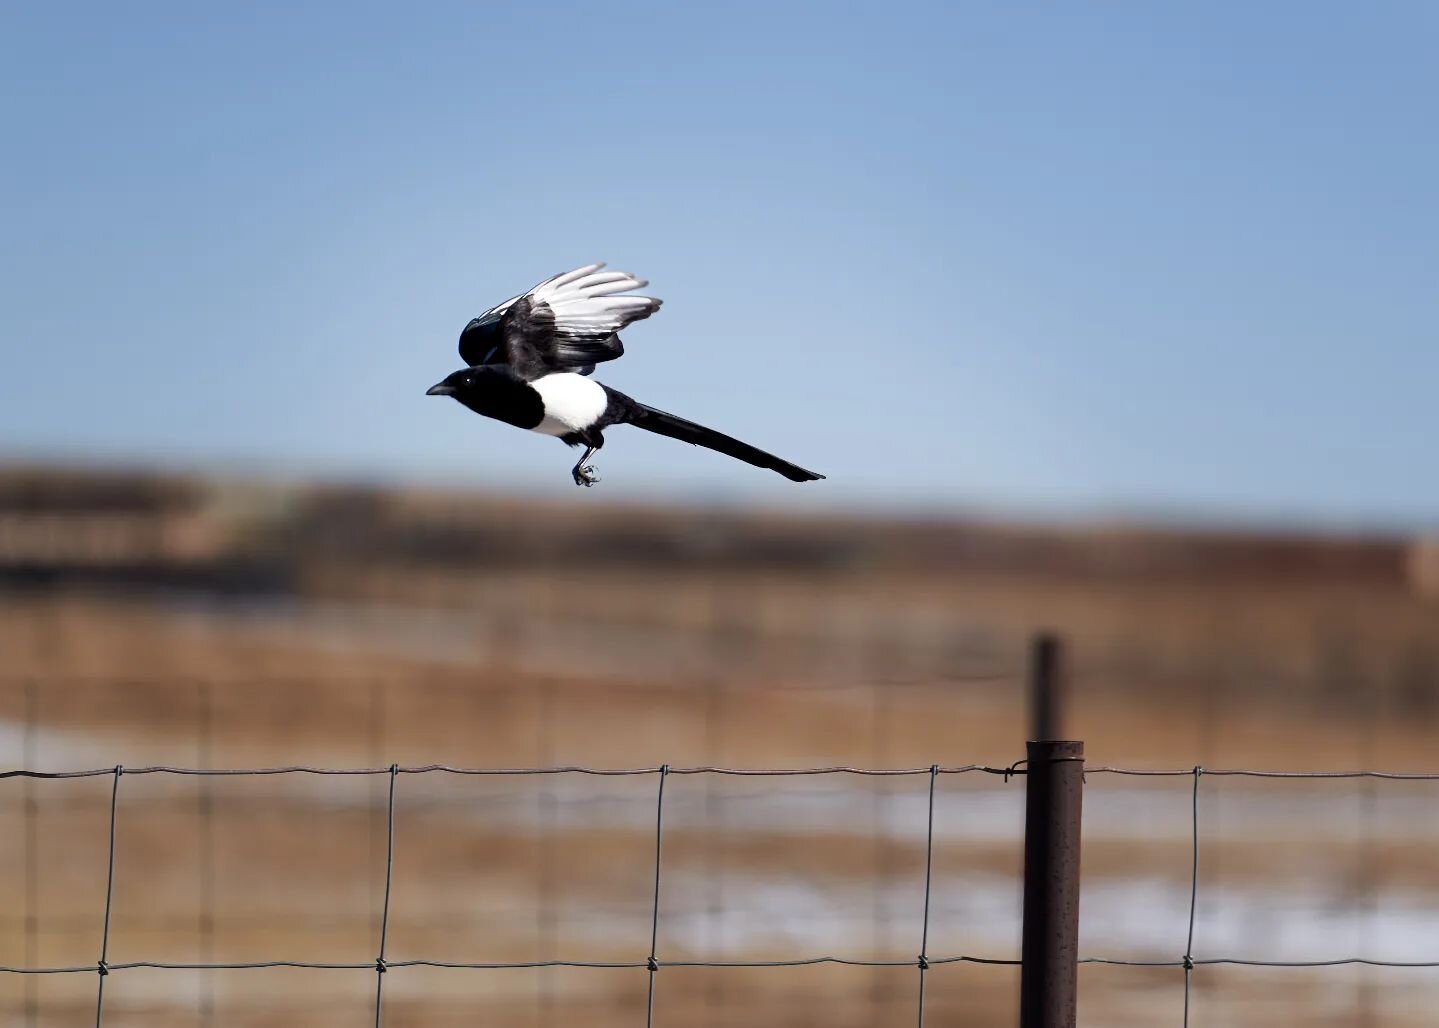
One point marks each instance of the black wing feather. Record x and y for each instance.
(483, 341)
(569, 322)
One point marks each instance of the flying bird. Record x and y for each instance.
(528, 362)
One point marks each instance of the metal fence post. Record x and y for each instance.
(1049, 973)
(1046, 688)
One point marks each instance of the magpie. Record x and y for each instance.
(528, 362)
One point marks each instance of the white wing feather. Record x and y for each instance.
(585, 297)
(585, 300)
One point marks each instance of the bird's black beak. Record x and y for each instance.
(440, 389)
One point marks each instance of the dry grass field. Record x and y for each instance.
(369, 661)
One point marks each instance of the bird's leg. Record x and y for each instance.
(585, 473)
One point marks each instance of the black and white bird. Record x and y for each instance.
(529, 360)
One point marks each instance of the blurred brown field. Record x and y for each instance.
(151, 620)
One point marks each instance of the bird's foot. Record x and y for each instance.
(585, 475)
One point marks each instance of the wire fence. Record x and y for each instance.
(653, 962)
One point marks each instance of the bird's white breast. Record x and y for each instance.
(572, 403)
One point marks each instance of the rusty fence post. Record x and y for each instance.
(1049, 973)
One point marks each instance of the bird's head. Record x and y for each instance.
(456, 384)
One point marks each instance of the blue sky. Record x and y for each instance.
(1101, 258)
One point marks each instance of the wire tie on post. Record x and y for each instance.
(1013, 768)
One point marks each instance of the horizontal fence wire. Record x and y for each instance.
(381, 966)
(1249, 772)
(569, 770)
(620, 965)
(763, 772)
(766, 684)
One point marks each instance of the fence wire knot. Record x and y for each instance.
(923, 962)
(652, 964)
(381, 965)
(103, 968)
(1188, 962)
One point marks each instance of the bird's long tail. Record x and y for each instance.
(660, 423)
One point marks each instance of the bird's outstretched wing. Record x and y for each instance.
(566, 323)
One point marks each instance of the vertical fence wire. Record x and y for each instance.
(715, 935)
(31, 806)
(1368, 899)
(928, 879)
(881, 721)
(1365, 876)
(206, 812)
(375, 743)
(652, 964)
(103, 967)
(1193, 892)
(380, 966)
(724, 649)
(547, 828)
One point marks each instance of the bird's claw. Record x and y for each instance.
(585, 475)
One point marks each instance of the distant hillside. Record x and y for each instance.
(57, 524)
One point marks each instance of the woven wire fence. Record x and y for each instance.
(381, 966)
